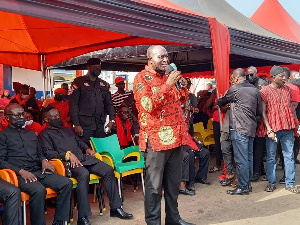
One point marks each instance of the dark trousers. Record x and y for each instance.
(10, 196)
(37, 192)
(243, 154)
(185, 166)
(227, 151)
(259, 147)
(98, 133)
(82, 175)
(162, 170)
(217, 135)
(203, 156)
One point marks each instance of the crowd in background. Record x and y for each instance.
(248, 122)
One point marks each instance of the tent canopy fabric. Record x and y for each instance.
(25, 39)
(226, 14)
(250, 44)
(272, 16)
(119, 23)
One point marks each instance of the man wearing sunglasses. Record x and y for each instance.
(251, 76)
(259, 146)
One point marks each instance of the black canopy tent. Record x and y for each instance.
(250, 45)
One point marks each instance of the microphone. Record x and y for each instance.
(169, 69)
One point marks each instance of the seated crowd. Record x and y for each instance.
(256, 115)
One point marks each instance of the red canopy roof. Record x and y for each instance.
(273, 17)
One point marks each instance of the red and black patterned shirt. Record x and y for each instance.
(279, 107)
(160, 114)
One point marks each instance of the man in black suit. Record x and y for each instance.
(61, 142)
(10, 196)
(21, 152)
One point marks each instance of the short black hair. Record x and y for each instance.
(46, 110)
(9, 106)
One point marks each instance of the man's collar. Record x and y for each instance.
(152, 71)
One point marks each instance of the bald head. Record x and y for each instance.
(157, 58)
(251, 74)
(251, 69)
(154, 49)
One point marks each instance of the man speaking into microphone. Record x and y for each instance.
(162, 133)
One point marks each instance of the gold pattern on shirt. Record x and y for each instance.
(154, 89)
(139, 87)
(148, 78)
(146, 103)
(166, 135)
(143, 119)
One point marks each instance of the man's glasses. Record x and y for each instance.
(250, 74)
(19, 115)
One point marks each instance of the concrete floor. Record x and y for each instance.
(211, 205)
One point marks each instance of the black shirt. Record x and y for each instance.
(19, 149)
(56, 142)
(90, 99)
(245, 108)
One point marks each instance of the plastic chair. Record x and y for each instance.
(25, 197)
(210, 124)
(94, 179)
(110, 150)
(205, 136)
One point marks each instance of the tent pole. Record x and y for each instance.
(44, 68)
(219, 110)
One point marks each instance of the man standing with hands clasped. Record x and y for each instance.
(162, 133)
(280, 122)
(90, 102)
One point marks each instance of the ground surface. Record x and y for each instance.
(211, 205)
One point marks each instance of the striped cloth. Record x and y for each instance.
(279, 107)
(118, 99)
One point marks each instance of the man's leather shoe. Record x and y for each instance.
(282, 180)
(191, 187)
(202, 181)
(180, 222)
(186, 192)
(250, 188)
(57, 222)
(238, 191)
(119, 212)
(83, 221)
(255, 177)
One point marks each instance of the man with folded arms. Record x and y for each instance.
(61, 142)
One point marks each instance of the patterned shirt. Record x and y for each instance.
(160, 114)
(118, 99)
(279, 107)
